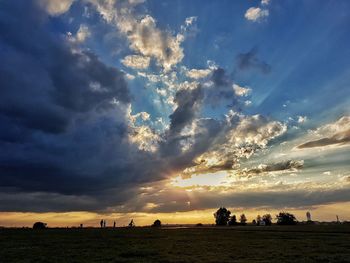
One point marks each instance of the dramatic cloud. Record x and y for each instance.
(289, 166)
(144, 36)
(75, 135)
(249, 60)
(64, 127)
(241, 137)
(187, 102)
(337, 133)
(256, 14)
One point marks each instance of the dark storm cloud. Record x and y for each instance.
(338, 138)
(64, 142)
(250, 60)
(188, 103)
(61, 134)
(220, 78)
(175, 200)
(221, 93)
(43, 82)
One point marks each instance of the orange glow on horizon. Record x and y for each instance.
(70, 219)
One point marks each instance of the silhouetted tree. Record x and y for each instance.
(233, 221)
(284, 218)
(222, 216)
(39, 225)
(243, 219)
(157, 223)
(258, 220)
(267, 219)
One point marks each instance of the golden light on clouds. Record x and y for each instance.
(208, 179)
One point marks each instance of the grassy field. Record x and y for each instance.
(235, 244)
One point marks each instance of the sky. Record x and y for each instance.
(149, 109)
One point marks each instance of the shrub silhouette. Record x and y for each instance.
(267, 219)
(233, 221)
(222, 216)
(258, 220)
(39, 225)
(157, 223)
(243, 219)
(284, 218)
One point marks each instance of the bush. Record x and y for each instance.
(157, 223)
(267, 219)
(233, 221)
(39, 225)
(243, 219)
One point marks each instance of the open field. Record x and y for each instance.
(229, 244)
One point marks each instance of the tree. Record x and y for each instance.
(222, 216)
(284, 218)
(254, 222)
(243, 219)
(267, 219)
(233, 221)
(258, 220)
(157, 223)
(39, 225)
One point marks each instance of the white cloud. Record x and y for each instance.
(83, 33)
(256, 14)
(244, 136)
(330, 135)
(190, 20)
(55, 7)
(302, 119)
(340, 126)
(129, 76)
(255, 130)
(247, 102)
(265, 2)
(145, 138)
(144, 36)
(136, 61)
(198, 73)
(241, 91)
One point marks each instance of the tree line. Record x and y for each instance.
(223, 217)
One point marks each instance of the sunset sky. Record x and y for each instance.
(149, 109)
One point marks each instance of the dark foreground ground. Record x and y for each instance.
(234, 244)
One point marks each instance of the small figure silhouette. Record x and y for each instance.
(101, 223)
(104, 223)
(131, 224)
(114, 224)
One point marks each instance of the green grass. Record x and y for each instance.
(235, 244)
